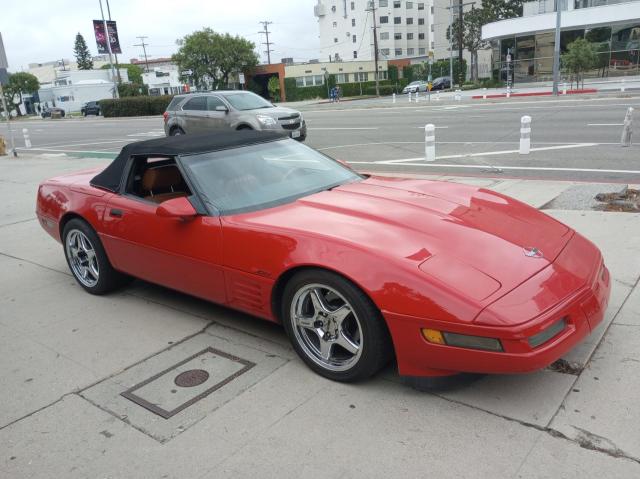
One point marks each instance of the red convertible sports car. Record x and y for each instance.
(444, 277)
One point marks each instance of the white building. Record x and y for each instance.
(405, 29)
(613, 26)
(72, 88)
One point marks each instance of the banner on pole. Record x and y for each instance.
(101, 36)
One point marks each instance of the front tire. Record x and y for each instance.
(87, 259)
(334, 327)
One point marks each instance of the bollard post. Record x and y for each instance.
(27, 140)
(564, 88)
(627, 129)
(484, 93)
(525, 135)
(394, 98)
(622, 86)
(430, 142)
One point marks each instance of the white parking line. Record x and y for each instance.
(499, 167)
(487, 153)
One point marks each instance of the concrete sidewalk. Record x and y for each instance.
(66, 358)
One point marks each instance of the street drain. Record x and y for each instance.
(191, 378)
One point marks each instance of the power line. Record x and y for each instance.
(144, 49)
(266, 32)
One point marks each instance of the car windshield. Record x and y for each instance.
(264, 175)
(247, 101)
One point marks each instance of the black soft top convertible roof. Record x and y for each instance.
(109, 178)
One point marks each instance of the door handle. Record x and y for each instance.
(116, 213)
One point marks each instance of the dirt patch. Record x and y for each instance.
(627, 201)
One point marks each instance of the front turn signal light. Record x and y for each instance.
(462, 340)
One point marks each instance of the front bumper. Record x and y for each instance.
(583, 311)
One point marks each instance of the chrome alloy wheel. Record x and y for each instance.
(82, 258)
(326, 327)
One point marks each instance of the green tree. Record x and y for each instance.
(82, 54)
(17, 85)
(274, 88)
(471, 27)
(212, 57)
(134, 72)
(580, 57)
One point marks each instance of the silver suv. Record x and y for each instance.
(237, 110)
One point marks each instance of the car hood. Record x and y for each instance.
(474, 240)
(278, 112)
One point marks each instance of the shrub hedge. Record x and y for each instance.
(135, 106)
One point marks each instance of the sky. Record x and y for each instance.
(38, 31)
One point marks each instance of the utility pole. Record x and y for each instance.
(116, 55)
(375, 43)
(267, 43)
(113, 73)
(556, 48)
(144, 49)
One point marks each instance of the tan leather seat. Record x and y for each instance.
(163, 183)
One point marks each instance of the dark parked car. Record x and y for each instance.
(441, 83)
(46, 112)
(90, 108)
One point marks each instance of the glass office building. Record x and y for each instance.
(612, 26)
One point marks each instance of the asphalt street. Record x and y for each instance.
(573, 138)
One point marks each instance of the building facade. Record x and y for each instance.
(405, 29)
(612, 26)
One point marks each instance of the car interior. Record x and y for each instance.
(156, 180)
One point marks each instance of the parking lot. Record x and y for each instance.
(95, 386)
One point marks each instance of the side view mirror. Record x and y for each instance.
(179, 208)
(222, 108)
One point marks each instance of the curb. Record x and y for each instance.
(536, 93)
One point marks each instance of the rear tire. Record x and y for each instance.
(334, 327)
(87, 259)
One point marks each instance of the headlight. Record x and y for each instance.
(462, 340)
(266, 120)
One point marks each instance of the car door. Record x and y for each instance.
(182, 255)
(216, 119)
(195, 114)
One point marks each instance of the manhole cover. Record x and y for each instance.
(191, 378)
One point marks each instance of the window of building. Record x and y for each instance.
(383, 3)
(409, 36)
(420, 21)
(397, 4)
(420, 36)
(353, 38)
(384, 35)
(397, 36)
(353, 5)
(410, 51)
(355, 54)
(397, 20)
(409, 21)
(384, 19)
(421, 6)
(409, 5)
(353, 22)
(384, 51)
(398, 52)
(422, 51)
(361, 76)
